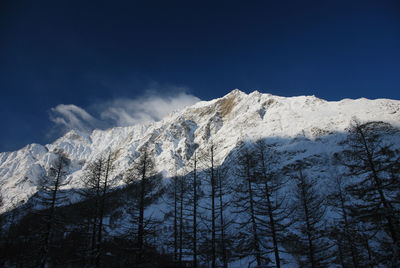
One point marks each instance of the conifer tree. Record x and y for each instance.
(194, 195)
(208, 159)
(309, 216)
(372, 163)
(48, 198)
(173, 200)
(184, 193)
(244, 202)
(145, 187)
(214, 217)
(344, 230)
(272, 208)
(225, 222)
(97, 187)
(177, 194)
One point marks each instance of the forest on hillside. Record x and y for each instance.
(248, 209)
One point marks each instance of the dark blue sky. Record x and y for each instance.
(82, 52)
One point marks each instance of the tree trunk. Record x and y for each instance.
(175, 219)
(101, 212)
(311, 254)
(270, 213)
(253, 218)
(221, 216)
(391, 221)
(213, 249)
(181, 222)
(49, 225)
(141, 212)
(195, 212)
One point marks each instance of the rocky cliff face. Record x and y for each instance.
(300, 127)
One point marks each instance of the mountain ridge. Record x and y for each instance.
(225, 121)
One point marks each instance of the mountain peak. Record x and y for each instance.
(235, 92)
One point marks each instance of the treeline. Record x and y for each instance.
(260, 206)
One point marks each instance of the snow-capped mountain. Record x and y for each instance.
(299, 124)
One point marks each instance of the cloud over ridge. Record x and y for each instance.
(119, 112)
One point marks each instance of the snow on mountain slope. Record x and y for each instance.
(225, 121)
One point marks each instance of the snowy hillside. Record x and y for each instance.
(225, 121)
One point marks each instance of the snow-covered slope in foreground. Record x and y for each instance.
(225, 121)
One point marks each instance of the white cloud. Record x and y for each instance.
(70, 116)
(152, 106)
(125, 112)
